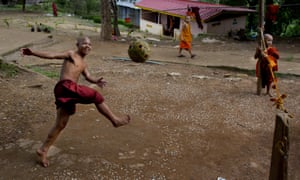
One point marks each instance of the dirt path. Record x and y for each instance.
(189, 122)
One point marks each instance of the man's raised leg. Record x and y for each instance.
(115, 120)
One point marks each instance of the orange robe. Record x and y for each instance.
(273, 55)
(186, 37)
(265, 73)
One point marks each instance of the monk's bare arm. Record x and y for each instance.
(46, 55)
(100, 81)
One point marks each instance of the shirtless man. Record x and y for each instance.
(68, 93)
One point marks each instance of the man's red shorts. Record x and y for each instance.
(68, 94)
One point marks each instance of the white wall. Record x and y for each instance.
(176, 34)
(224, 26)
(217, 27)
(151, 27)
(195, 30)
(157, 29)
(163, 20)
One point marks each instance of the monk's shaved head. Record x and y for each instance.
(81, 39)
(268, 37)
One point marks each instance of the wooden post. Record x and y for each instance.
(259, 80)
(261, 25)
(279, 161)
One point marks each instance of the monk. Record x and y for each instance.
(68, 93)
(54, 9)
(186, 38)
(268, 63)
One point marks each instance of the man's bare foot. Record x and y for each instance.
(121, 121)
(42, 157)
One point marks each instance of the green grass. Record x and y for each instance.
(252, 72)
(8, 70)
(290, 58)
(49, 73)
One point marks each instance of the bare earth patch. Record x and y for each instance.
(188, 121)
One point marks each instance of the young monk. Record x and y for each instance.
(186, 38)
(268, 62)
(68, 93)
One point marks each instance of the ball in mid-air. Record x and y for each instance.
(139, 51)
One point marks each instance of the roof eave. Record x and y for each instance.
(225, 12)
(159, 11)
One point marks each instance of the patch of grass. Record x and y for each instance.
(252, 72)
(95, 18)
(6, 21)
(290, 58)
(48, 73)
(8, 70)
(235, 69)
(201, 35)
(126, 24)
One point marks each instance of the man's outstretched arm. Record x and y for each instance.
(44, 54)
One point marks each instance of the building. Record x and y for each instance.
(129, 12)
(164, 17)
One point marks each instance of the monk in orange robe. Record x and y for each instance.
(268, 63)
(186, 38)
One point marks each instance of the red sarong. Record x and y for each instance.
(68, 94)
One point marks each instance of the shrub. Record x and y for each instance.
(293, 29)
(97, 19)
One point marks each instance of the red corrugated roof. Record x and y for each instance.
(179, 7)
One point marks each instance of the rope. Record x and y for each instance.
(278, 101)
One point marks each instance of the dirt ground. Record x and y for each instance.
(188, 121)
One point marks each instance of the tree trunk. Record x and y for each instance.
(106, 28)
(24, 4)
(115, 14)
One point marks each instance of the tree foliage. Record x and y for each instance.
(287, 21)
(286, 24)
(79, 7)
(102, 8)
